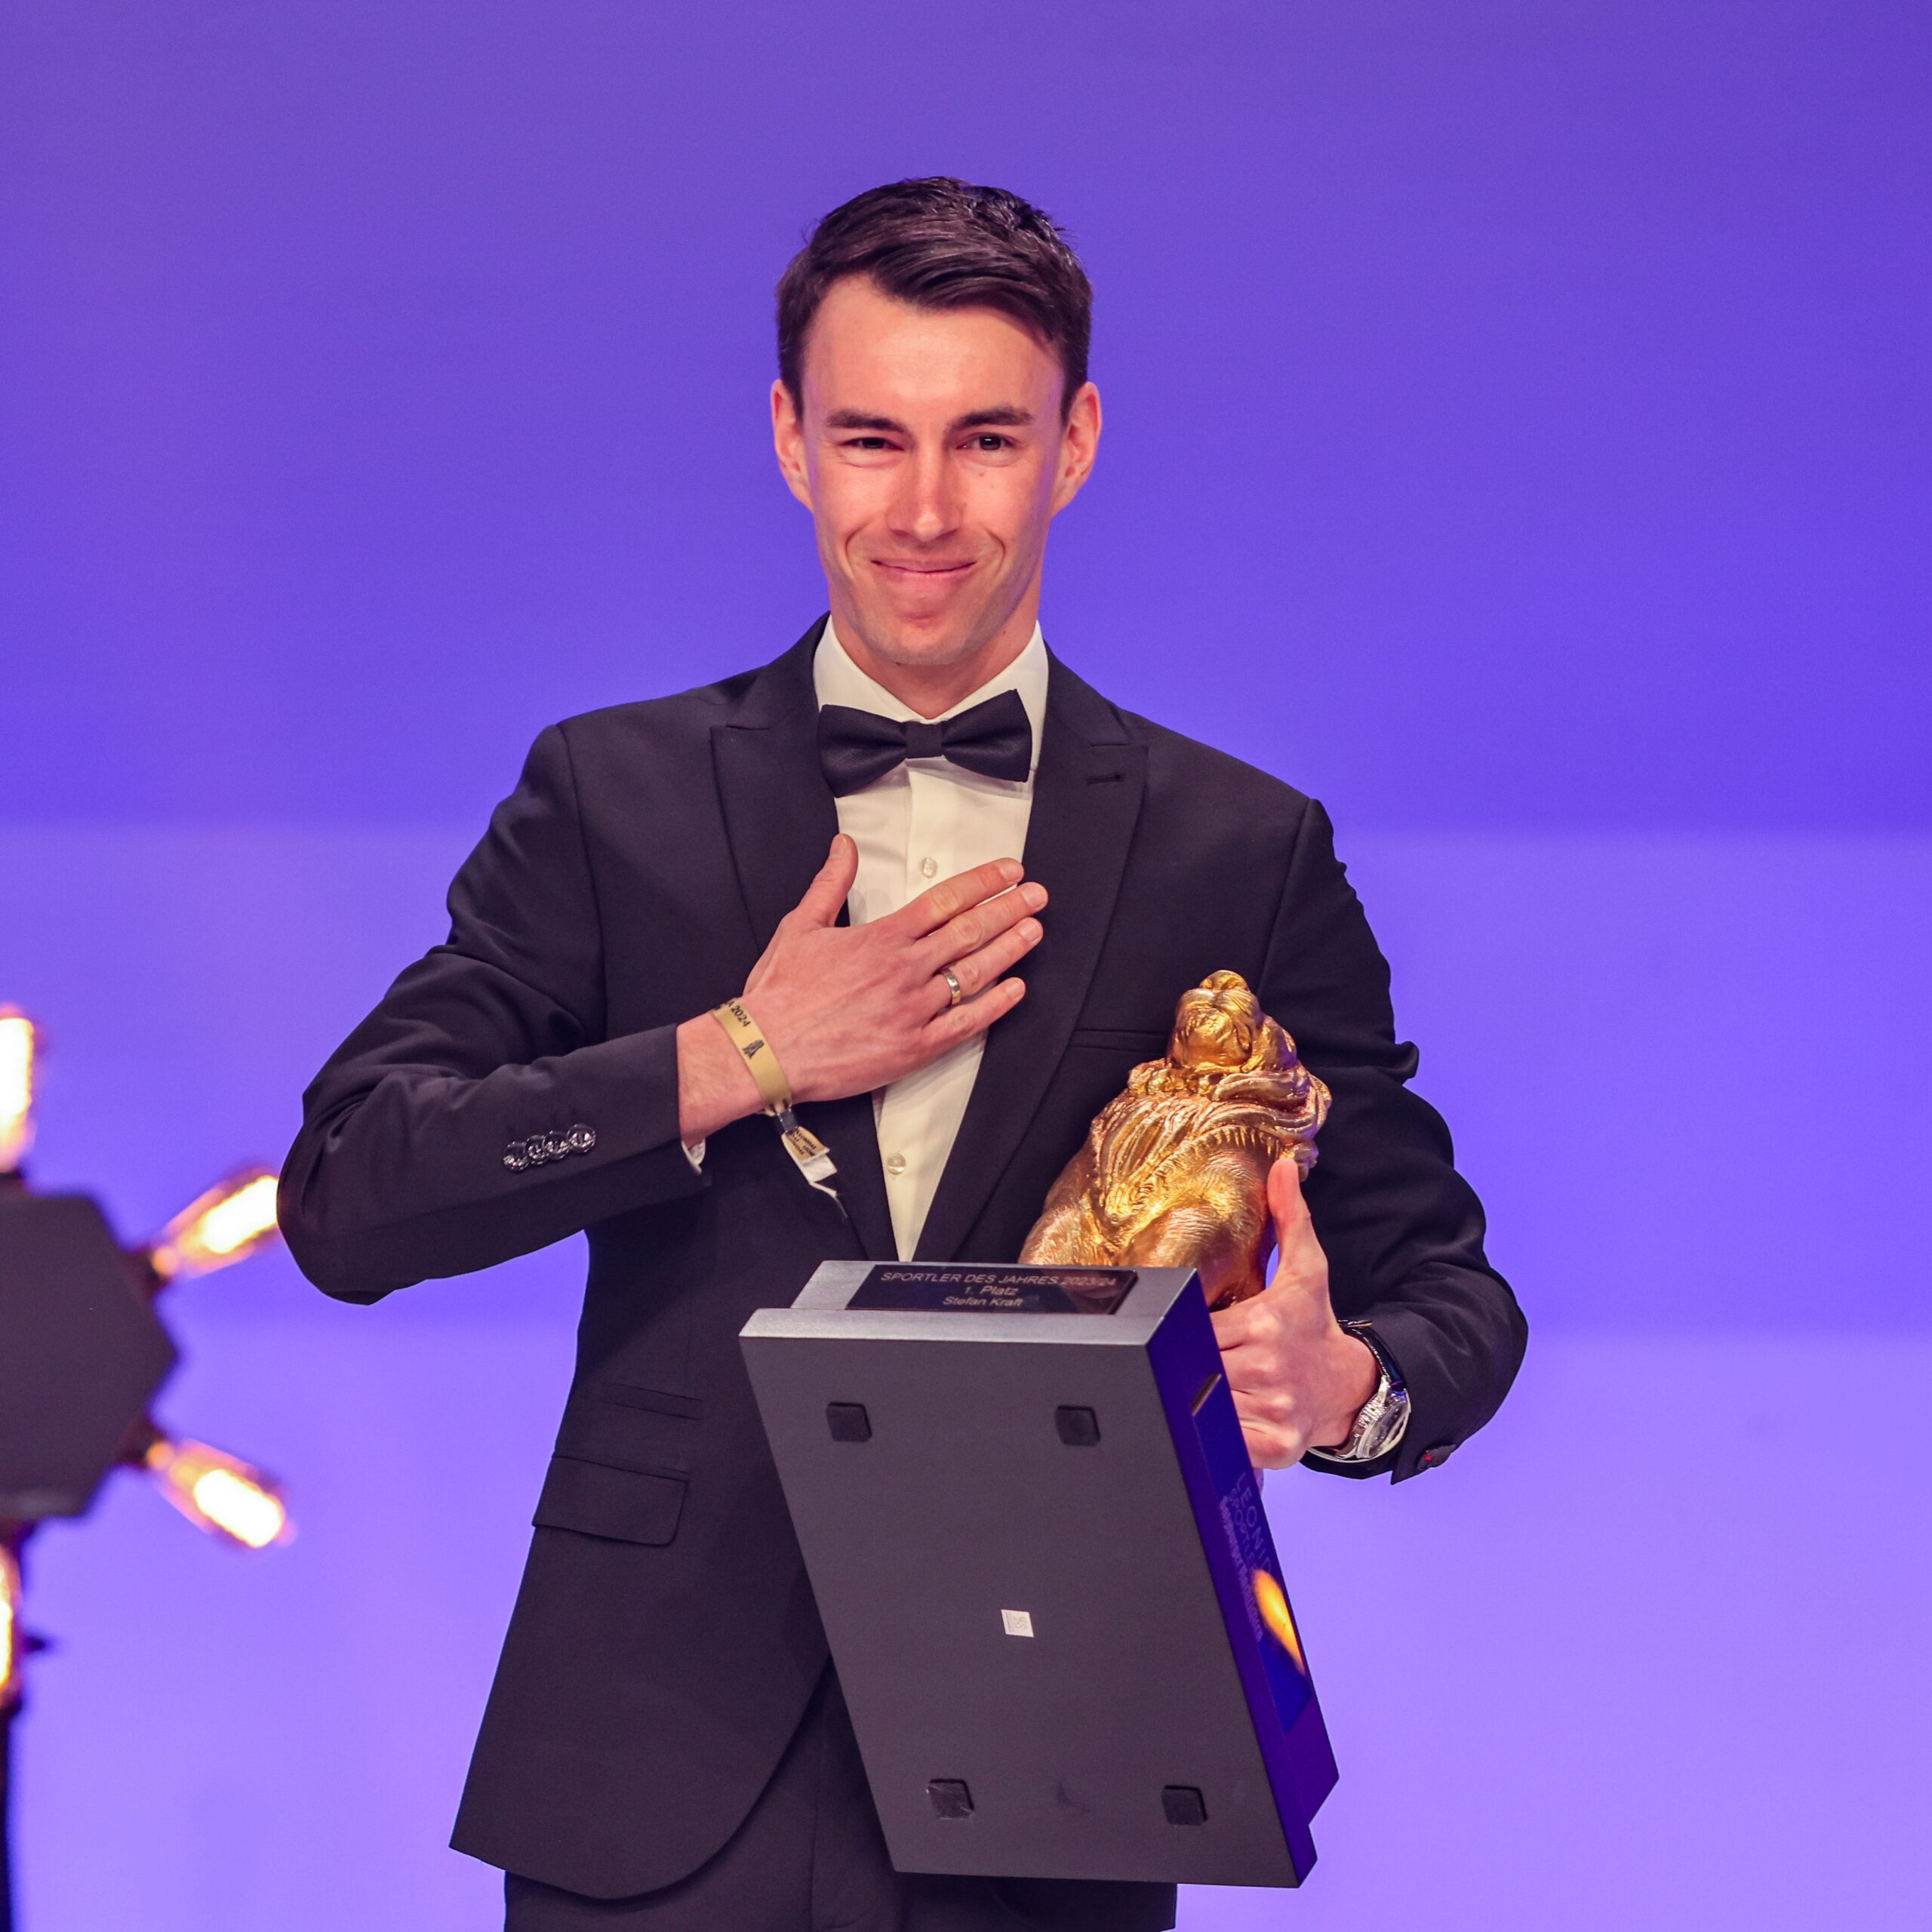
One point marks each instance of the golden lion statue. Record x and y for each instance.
(1174, 1172)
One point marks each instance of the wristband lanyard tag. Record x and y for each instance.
(808, 1153)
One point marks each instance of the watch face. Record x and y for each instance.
(1389, 1410)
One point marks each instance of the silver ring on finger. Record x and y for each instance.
(953, 987)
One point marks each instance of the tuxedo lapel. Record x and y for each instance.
(1086, 801)
(779, 818)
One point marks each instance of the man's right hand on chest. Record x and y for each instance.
(850, 1009)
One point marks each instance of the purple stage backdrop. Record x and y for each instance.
(1517, 435)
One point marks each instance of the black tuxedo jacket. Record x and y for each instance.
(664, 1641)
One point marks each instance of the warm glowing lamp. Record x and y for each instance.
(219, 1493)
(13, 1640)
(19, 1037)
(81, 1337)
(226, 1225)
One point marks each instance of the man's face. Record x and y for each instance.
(932, 455)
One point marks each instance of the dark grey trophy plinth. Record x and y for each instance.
(1033, 1536)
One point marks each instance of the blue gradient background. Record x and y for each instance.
(1517, 435)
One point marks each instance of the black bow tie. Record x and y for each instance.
(858, 747)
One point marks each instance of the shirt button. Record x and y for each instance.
(895, 1163)
(927, 867)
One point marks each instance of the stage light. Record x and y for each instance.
(219, 1492)
(226, 1225)
(18, 1040)
(82, 1354)
(13, 1639)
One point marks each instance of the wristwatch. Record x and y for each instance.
(1381, 1418)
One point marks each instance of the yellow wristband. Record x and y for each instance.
(744, 1033)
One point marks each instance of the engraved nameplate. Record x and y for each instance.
(965, 1290)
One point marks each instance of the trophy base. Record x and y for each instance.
(1038, 1550)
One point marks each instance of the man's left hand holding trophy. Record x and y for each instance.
(1299, 1378)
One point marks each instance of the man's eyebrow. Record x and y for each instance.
(1006, 417)
(857, 419)
(1003, 416)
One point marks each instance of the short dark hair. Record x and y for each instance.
(943, 244)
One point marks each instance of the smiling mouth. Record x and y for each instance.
(934, 571)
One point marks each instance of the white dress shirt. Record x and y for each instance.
(925, 820)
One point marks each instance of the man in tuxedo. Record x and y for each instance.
(946, 895)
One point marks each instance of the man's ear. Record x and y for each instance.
(788, 438)
(1079, 444)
